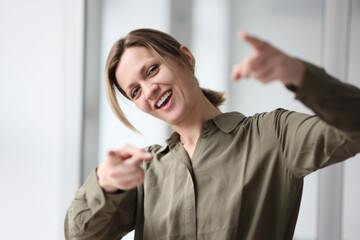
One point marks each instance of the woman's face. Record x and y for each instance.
(154, 88)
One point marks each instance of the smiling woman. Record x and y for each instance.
(219, 175)
(156, 50)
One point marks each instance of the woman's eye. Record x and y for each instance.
(152, 70)
(134, 92)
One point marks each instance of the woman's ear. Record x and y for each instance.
(188, 54)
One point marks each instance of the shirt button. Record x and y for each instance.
(204, 136)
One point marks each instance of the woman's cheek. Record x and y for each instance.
(143, 105)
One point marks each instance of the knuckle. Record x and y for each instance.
(121, 183)
(112, 173)
(258, 65)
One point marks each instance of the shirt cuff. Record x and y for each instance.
(98, 200)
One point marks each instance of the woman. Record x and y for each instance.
(220, 175)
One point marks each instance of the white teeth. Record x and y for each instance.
(163, 98)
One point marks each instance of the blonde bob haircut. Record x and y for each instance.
(162, 45)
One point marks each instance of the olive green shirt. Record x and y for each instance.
(245, 178)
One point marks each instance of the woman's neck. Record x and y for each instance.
(190, 128)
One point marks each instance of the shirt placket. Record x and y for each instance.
(191, 193)
(191, 228)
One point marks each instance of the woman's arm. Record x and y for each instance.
(308, 142)
(333, 135)
(105, 206)
(333, 101)
(94, 214)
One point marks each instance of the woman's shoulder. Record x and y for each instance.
(271, 114)
(264, 120)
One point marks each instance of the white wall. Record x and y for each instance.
(40, 85)
(210, 37)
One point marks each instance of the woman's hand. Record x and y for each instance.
(267, 63)
(121, 169)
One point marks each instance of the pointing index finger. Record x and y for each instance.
(132, 154)
(253, 41)
(129, 154)
(137, 159)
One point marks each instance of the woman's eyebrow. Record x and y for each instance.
(142, 72)
(130, 86)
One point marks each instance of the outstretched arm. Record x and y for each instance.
(308, 142)
(335, 102)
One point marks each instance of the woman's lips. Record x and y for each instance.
(164, 99)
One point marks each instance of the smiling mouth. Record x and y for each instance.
(164, 99)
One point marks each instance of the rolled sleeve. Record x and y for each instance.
(333, 135)
(94, 214)
(335, 102)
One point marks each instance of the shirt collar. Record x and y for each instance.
(226, 122)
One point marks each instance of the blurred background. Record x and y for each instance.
(56, 125)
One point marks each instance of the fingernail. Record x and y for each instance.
(235, 76)
(111, 153)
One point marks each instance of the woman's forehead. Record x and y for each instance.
(132, 63)
(135, 56)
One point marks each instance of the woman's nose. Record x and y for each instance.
(150, 92)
